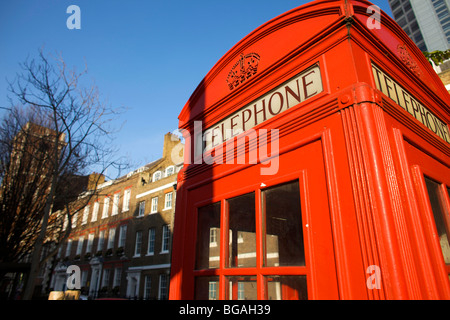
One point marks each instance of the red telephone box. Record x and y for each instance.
(316, 165)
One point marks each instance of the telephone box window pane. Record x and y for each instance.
(242, 288)
(286, 288)
(207, 288)
(241, 233)
(440, 218)
(208, 237)
(284, 233)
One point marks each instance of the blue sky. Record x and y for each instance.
(146, 55)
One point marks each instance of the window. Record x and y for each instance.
(66, 222)
(105, 208)
(141, 210)
(441, 218)
(162, 295)
(241, 215)
(122, 235)
(213, 237)
(278, 287)
(212, 290)
(95, 211)
(85, 214)
(165, 239)
(126, 200)
(266, 254)
(105, 280)
(90, 242)
(111, 237)
(84, 276)
(283, 226)
(147, 287)
(154, 207)
(170, 171)
(206, 288)
(157, 176)
(101, 240)
(208, 254)
(168, 201)
(69, 247)
(115, 208)
(74, 220)
(80, 245)
(138, 244)
(151, 241)
(117, 277)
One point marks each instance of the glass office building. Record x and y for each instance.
(427, 22)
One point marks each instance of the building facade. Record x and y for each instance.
(121, 240)
(427, 22)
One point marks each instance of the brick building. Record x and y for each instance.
(122, 239)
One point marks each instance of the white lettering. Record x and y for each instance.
(374, 21)
(74, 21)
(374, 280)
(74, 279)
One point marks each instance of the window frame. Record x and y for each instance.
(86, 210)
(167, 170)
(165, 240)
(260, 272)
(151, 241)
(115, 207)
(111, 238)
(141, 209)
(166, 201)
(122, 235)
(138, 241)
(157, 175)
(126, 200)
(154, 205)
(105, 210)
(95, 210)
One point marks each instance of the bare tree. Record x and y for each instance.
(78, 139)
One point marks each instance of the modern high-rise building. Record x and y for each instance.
(427, 22)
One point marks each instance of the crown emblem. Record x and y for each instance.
(408, 60)
(243, 69)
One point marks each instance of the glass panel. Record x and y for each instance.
(207, 288)
(242, 288)
(440, 219)
(208, 248)
(242, 237)
(283, 226)
(286, 288)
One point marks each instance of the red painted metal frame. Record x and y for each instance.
(373, 152)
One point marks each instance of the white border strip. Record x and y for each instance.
(155, 190)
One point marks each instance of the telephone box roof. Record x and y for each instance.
(250, 67)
